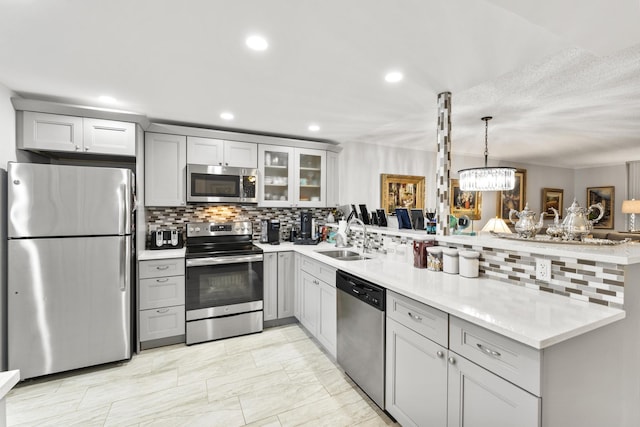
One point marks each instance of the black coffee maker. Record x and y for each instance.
(270, 231)
(306, 224)
(306, 230)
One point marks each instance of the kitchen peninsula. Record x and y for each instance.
(577, 360)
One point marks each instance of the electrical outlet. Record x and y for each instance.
(543, 269)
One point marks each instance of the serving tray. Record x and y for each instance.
(587, 241)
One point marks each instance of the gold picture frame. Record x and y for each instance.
(401, 191)
(606, 196)
(464, 202)
(513, 199)
(552, 198)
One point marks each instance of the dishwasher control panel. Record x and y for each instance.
(361, 289)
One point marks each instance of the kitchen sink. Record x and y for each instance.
(344, 255)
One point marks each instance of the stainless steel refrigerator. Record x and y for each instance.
(69, 266)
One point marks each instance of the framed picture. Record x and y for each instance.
(513, 199)
(604, 195)
(401, 191)
(552, 198)
(464, 202)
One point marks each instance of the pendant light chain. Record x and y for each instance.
(486, 139)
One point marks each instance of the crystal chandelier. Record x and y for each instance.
(486, 178)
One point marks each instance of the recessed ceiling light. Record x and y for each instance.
(227, 116)
(107, 99)
(256, 42)
(314, 128)
(394, 77)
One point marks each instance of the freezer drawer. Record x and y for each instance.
(68, 303)
(54, 200)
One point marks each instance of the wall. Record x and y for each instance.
(362, 164)
(7, 153)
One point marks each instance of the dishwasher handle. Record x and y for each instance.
(361, 289)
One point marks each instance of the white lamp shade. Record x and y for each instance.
(497, 225)
(631, 206)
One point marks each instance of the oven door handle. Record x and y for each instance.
(233, 259)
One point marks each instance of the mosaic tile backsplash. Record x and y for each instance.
(592, 281)
(177, 217)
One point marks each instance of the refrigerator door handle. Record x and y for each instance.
(125, 255)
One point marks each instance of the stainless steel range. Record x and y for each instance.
(224, 285)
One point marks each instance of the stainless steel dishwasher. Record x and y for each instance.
(361, 333)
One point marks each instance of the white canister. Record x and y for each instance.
(469, 263)
(450, 262)
(434, 258)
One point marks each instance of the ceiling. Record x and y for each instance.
(560, 77)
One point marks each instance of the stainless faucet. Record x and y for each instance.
(365, 241)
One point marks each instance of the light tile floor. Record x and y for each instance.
(279, 377)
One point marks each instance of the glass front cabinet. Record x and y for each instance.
(292, 177)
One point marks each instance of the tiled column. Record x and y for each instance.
(443, 162)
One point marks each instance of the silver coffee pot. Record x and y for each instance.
(526, 226)
(577, 225)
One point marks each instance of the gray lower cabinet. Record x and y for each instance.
(279, 289)
(286, 284)
(161, 316)
(477, 397)
(317, 302)
(429, 384)
(416, 378)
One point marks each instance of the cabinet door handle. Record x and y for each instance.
(162, 280)
(77, 148)
(162, 310)
(440, 354)
(415, 317)
(316, 282)
(86, 148)
(161, 267)
(452, 360)
(488, 351)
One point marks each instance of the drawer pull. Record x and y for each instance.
(488, 351)
(162, 280)
(439, 354)
(415, 316)
(315, 282)
(452, 360)
(162, 310)
(161, 267)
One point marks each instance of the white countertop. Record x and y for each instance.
(7, 380)
(536, 318)
(624, 254)
(147, 255)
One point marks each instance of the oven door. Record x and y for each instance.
(224, 285)
(220, 184)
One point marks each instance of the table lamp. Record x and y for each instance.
(631, 207)
(497, 225)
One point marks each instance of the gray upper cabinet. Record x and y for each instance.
(53, 132)
(332, 179)
(109, 137)
(218, 152)
(165, 161)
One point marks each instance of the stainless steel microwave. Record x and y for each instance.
(221, 184)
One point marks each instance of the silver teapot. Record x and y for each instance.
(526, 226)
(577, 224)
(555, 231)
